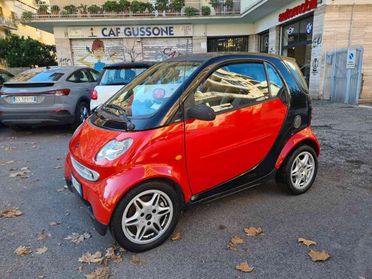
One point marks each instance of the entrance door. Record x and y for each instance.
(247, 123)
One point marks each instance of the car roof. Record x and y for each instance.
(143, 64)
(220, 56)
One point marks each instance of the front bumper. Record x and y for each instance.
(99, 227)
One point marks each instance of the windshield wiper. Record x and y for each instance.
(122, 114)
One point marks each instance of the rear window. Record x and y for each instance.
(38, 76)
(296, 72)
(119, 76)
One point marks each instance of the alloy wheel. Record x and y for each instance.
(302, 170)
(147, 216)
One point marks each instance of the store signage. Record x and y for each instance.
(309, 5)
(350, 61)
(150, 31)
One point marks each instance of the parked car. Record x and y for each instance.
(190, 130)
(53, 95)
(113, 78)
(4, 76)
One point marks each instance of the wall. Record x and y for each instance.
(336, 33)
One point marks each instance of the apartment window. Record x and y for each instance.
(221, 44)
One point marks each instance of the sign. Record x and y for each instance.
(350, 60)
(132, 31)
(308, 6)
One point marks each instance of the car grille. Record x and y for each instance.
(84, 172)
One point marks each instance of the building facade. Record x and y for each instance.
(313, 32)
(10, 14)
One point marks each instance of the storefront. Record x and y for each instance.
(297, 36)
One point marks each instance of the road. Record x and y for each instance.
(336, 213)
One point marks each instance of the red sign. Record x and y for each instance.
(298, 10)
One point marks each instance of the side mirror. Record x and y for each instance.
(201, 112)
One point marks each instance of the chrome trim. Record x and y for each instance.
(83, 171)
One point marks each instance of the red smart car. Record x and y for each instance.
(189, 130)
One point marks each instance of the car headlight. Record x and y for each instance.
(114, 149)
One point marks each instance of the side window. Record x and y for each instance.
(94, 74)
(276, 83)
(233, 86)
(79, 77)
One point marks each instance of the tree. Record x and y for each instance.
(26, 52)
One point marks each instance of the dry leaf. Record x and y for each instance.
(23, 251)
(54, 223)
(99, 273)
(41, 250)
(23, 173)
(77, 238)
(252, 231)
(176, 236)
(306, 242)
(113, 255)
(221, 227)
(244, 267)
(135, 260)
(318, 255)
(43, 235)
(58, 167)
(234, 241)
(11, 213)
(91, 258)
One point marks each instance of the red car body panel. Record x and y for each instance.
(301, 136)
(141, 162)
(247, 134)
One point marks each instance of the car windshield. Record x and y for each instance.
(44, 76)
(119, 76)
(147, 94)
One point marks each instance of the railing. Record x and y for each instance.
(220, 10)
(8, 23)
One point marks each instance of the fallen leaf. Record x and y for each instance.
(23, 173)
(91, 258)
(221, 227)
(8, 162)
(252, 231)
(112, 254)
(54, 223)
(234, 241)
(318, 255)
(306, 242)
(244, 267)
(77, 238)
(23, 251)
(43, 235)
(58, 167)
(176, 236)
(99, 273)
(41, 250)
(11, 213)
(135, 260)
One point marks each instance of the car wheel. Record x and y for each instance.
(81, 113)
(146, 216)
(298, 173)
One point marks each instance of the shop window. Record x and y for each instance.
(221, 44)
(264, 42)
(296, 43)
(233, 86)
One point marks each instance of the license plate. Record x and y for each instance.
(24, 99)
(76, 185)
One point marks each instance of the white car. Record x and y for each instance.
(113, 78)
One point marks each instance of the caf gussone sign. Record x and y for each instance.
(298, 10)
(134, 31)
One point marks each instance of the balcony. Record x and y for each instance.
(7, 23)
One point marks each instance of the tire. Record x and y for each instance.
(139, 234)
(81, 108)
(302, 181)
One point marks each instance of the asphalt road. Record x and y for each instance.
(336, 213)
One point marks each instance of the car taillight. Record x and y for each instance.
(94, 95)
(59, 92)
